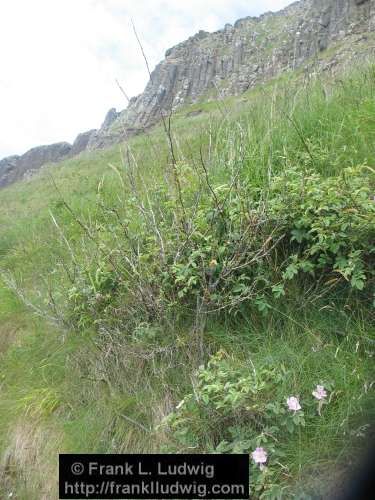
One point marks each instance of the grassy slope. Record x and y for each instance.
(58, 393)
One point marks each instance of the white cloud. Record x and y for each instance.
(59, 60)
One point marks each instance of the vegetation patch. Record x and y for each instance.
(207, 288)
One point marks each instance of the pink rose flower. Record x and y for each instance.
(259, 456)
(293, 403)
(320, 393)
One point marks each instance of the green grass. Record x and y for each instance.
(89, 393)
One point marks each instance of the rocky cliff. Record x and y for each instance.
(227, 62)
(252, 51)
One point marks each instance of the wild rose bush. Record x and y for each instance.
(330, 223)
(242, 408)
(220, 249)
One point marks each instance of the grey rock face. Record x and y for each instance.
(14, 168)
(234, 59)
(110, 117)
(104, 136)
(7, 166)
(44, 154)
(81, 142)
(102, 139)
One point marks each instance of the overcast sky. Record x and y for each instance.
(59, 59)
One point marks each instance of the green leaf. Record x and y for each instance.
(278, 290)
(290, 272)
(298, 235)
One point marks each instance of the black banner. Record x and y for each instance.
(154, 476)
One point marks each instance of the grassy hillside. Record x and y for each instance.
(171, 293)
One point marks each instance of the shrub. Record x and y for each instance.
(228, 247)
(330, 223)
(236, 408)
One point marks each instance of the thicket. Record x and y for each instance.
(220, 250)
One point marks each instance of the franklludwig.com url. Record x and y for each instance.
(151, 488)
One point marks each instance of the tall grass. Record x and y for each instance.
(109, 389)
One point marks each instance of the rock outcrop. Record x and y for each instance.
(104, 136)
(81, 142)
(14, 168)
(253, 50)
(7, 168)
(227, 62)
